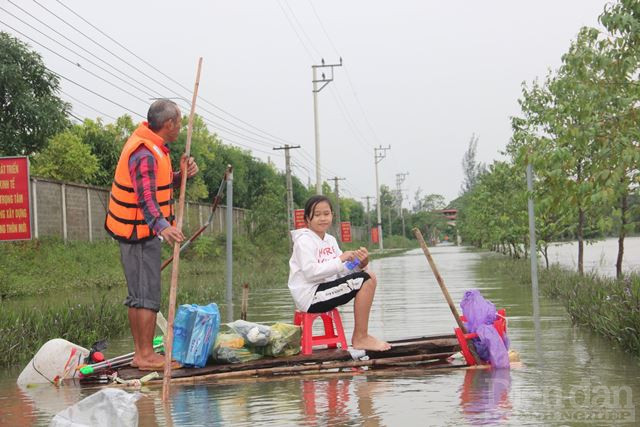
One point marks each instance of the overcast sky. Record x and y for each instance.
(420, 76)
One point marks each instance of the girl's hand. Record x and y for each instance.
(363, 256)
(347, 256)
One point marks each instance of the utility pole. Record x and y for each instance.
(335, 186)
(379, 154)
(368, 219)
(325, 81)
(400, 177)
(287, 161)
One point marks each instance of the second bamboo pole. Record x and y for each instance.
(168, 345)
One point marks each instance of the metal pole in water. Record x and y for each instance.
(534, 260)
(229, 295)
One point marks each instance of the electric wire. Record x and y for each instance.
(87, 105)
(304, 33)
(215, 125)
(349, 80)
(75, 116)
(304, 45)
(169, 77)
(80, 47)
(77, 64)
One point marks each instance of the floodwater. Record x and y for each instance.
(577, 377)
(599, 256)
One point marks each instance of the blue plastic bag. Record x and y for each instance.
(197, 332)
(182, 327)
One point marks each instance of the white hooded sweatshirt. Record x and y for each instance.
(314, 261)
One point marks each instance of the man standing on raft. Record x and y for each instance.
(141, 215)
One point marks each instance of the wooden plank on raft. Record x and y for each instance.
(420, 348)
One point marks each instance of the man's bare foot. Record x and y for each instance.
(154, 359)
(370, 343)
(174, 365)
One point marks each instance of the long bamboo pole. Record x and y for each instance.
(168, 345)
(444, 290)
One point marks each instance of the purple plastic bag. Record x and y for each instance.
(480, 315)
(495, 350)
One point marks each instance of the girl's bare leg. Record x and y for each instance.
(362, 307)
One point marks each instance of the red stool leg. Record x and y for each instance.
(464, 348)
(327, 319)
(339, 329)
(297, 318)
(307, 333)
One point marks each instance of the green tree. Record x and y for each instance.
(300, 193)
(30, 110)
(267, 220)
(105, 142)
(621, 65)
(428, 202)
(493, 213)
(470, 166)
(66, 158)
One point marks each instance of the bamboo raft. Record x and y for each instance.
(423, 351)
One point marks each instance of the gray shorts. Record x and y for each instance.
(141, 263)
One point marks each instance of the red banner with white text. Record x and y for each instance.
(345, 231)
(374, 235)
(298, 219)
(15, 216)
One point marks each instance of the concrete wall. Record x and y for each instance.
(84, 207)
(77, 212)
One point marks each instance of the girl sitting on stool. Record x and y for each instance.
(320, 281)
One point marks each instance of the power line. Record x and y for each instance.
(82, 86)
(123, 107)
(77, 64)
(349, 120)
(215, 125)
(354, 93)
(281, 140)
(79, 119)
(323, 29)
(366, 119)
(87, 105)
(136, 68)
(97, 94)
(211, 122)
(80, 47)
(302, 28)
(304, 45)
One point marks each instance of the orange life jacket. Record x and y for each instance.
(124, 215)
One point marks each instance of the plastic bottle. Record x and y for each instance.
(352, 264)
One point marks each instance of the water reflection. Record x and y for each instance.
(18, 410)
(484, 396)
(338, 400)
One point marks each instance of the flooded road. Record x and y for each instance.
(577, 378)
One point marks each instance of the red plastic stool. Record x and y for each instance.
(500, 324)
(331, 336)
